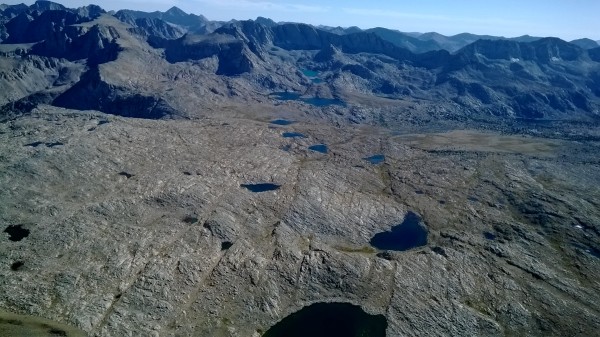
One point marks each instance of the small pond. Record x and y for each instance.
(310, 73)
(313, 76)
(293, 135)
(330, 320)
(17, 265)
(376, 159)
(261, 187)
(286, 96)
(282, 122)
(321, 148)
(411, 233)
(16, 232)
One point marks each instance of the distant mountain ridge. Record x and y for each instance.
(189, 22)
(526, 77)
(182, 22)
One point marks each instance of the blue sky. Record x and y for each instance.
(567, 19)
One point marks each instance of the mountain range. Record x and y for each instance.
(465, 74)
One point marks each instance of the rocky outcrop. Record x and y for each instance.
(265, 21)
(405, 41)
(233, 54)
(358, 70)
(189, 22)
(10, 11)
(255, 35)
(93, 93)
(42, 6)
(98, 44)
(51, 27)
(35, 25)
(543, 51)
(156, 28)
(327, 54)
(91, 11)
(33, 75)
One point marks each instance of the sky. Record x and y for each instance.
(566, 19)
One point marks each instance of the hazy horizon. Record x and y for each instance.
(568, 20)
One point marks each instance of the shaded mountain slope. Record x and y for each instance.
(540, 79)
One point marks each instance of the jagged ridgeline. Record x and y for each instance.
(145, 65)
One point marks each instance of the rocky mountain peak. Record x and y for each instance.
(266, 21)
(176, 12)
(327, 54)
(90, 11)
(43, 5)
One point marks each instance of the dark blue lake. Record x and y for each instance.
(293, 135)
(282, 122)
(16, 232)
(330, 320)
(287, 96)
(261, 187)
(376, 159)
(322, 148)
(407, 235)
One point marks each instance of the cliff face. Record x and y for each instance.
(97, 44)
(174, 16)
(305, 37)
(35, 26)
(93, 93)
(543, 51)
(233, 55)
(156, 28)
